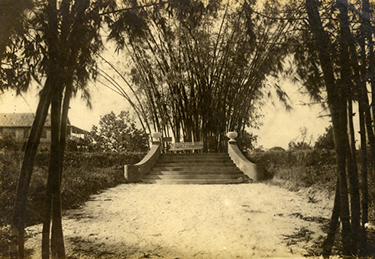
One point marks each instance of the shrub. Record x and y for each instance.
(78, 185)
(277, 149)
(299, 168)
(101, 159)
(326, 141)
(84, 174)
(8, 143)
(294, 158)
(246, 141)
(9, 170)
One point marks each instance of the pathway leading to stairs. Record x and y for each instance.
(192, 221)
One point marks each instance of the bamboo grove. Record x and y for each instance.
(334, 56)
(200, 69)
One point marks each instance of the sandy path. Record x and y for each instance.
(192, 221)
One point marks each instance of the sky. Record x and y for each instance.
(278, 129)
(281, 126)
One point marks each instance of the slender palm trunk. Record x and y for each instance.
(328, 243)
(337, 106)
(364, 176)
(19, 213)
(361, 78)
(341, 153)
(47, 221)
(57, 230)
(371, 75)
(53, 196)
(355, 201)
(57, 237)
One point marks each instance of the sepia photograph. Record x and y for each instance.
(187, 129)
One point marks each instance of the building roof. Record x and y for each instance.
(77, 130)
(20, 120)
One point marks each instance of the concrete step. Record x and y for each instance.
(192, 159)
(233, 175)
(195, 155)
(195, 168)
(194, 164)
(196, 181)
(185, 171)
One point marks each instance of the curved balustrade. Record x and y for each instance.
(255, 172)
(134, 173)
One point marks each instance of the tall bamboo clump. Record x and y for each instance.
(335, 55)
(200, 70)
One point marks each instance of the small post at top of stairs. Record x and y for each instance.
(232, 135)
(156, 138)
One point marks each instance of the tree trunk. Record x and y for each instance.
(328, 243)
(337, 106)
(364, 114)
(57, 230)
(361, 78)
(47, 221)
(341, 153)
(355, 201)
(19, 213)
(364, 179)
(53, 199)
(371, 75)
(64, 124)
(57, 237)
(347, 125)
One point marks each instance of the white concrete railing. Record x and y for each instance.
(134, 173)
(253, 171)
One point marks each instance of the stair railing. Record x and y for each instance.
(134, 173)
(253, 171)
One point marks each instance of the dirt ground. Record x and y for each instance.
(193, 221)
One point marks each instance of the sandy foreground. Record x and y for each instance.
(193, 221)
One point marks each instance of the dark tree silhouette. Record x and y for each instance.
(57, 50)
(332, 55)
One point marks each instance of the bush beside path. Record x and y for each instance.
(193, 221)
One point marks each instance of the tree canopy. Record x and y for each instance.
(118, 133)
(200, 69)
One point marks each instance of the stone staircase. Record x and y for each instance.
(195, 168)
